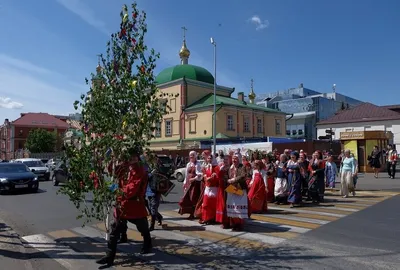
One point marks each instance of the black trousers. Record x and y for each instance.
(391, 168)
(154, 203)
(118, 226)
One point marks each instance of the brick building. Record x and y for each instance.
(13, 134)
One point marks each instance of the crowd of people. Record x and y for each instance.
(228, 188)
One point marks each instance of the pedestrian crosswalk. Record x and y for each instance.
(185, 244)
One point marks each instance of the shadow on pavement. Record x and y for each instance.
(22, 192)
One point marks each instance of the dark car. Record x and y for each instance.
(17, 176)
(165, 165)
(60, 173)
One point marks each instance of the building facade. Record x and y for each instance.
(13, 134)
(306, 107)
(365, 117)
(189, 122)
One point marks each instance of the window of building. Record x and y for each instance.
(288, 132)
(158, 130)
(172, 105)
(278, 126)
(294, 132)
(246, 124)
(300, 132)
(192, 125)
(168, 128)
(259, 125)
(229, 122)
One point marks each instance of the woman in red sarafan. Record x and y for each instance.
(222, 176)
(257, 192)
(270, 169)
(209, 205)
(192, 186)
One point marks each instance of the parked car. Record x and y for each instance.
(17, 176)
(180, 173)
(51, 163)
(60, 173)
(166, 165)
(36, 166)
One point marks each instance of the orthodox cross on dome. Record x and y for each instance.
(184, 53)
(184, 32)
(252, 95)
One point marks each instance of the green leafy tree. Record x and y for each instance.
(41, 141)
(120, 113)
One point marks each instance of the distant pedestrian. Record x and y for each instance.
(331, 171)
(375, 160)
(391, 162)
(347, 171)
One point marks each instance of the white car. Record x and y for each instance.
(36, 166)
(180, 173)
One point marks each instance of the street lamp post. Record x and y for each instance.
(215, 97)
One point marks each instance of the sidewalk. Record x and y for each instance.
(367, 181)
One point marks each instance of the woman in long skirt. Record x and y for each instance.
(270, 169)
(347, 172)
(281, 185)
(209, 204)
(192, 186)
(223, 176)
(316, 184)
(293, 169)
(257, 192)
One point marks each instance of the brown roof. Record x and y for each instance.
(365, 112)
(40, 120)
(391, 107)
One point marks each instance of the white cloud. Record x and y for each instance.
(87, 14)
(7, 103)
(260, 24)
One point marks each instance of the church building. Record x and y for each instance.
(189, 123)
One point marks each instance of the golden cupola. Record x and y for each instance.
(252, 95)
(184, 52)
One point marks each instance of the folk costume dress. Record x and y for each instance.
(237, 205)
(294, 178)
(281, 184)
(257, 192)
(223, 176)
(316, 185)
(270, 169)
(209, 205)
(192, 191)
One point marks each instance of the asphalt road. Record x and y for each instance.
(368, 239)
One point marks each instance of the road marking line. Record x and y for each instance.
(59, 252)
(297, 218)
(271, 240)
(318, 208)
(284, 223)
(307, 211)
(274, 227)
(353, 199)
(273, 212)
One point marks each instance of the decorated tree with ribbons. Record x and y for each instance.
(120, 114)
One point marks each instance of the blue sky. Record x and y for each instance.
(48, 47)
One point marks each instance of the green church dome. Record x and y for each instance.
(191, 72)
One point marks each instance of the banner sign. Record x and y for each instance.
(245, 147)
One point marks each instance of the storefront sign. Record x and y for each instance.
(245, 147)
(356, 135)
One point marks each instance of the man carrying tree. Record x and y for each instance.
(131, 206)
